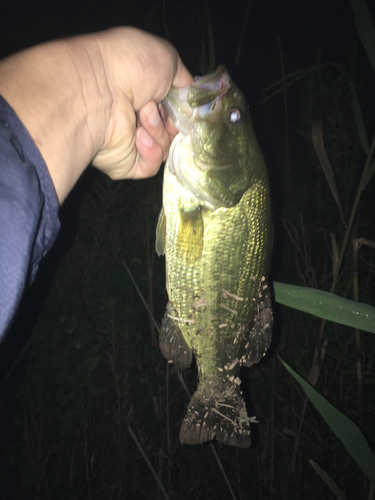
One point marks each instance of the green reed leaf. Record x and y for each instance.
(327, 305)
(348, 433)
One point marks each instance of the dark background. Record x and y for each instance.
(82, 363)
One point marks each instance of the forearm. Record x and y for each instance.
(60, 93)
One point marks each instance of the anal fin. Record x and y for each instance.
(173, 344)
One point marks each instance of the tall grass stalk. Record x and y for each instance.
(149, 464)
(361, 186)
(246, 20)
(357, 243)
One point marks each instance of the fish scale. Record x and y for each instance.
(216, 232)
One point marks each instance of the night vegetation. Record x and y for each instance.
(89, 407)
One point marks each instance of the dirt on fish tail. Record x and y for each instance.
(216, 410)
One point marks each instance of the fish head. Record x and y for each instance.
(212, 155)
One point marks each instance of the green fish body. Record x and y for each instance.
(215, 229)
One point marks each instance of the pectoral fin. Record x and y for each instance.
(190, 236)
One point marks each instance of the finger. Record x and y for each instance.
(182, 77)
(170, 127)
(150, 155)
(152, 122)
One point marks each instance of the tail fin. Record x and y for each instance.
(216, 409)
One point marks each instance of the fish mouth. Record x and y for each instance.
(199, 101)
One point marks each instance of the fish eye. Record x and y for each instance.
(235, 115)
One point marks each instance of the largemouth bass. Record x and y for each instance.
(215, 229)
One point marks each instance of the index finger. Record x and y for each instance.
(182, 77)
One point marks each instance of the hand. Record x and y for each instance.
(141, 71)
(80, 98)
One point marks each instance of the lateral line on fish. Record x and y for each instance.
(182, 320)
(232, 295)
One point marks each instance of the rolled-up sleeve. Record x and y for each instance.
(28, 212)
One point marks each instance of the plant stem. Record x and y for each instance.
(356, 246)
(148, 462)
(352, 215)
(222, 471)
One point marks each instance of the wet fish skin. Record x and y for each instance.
(215, 229)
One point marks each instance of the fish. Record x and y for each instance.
(215, 230)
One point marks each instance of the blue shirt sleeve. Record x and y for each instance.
(28, 212)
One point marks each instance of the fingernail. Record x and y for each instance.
(153, 115)
(145, 137)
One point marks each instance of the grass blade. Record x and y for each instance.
(222, 471)
(243, 33)
(368, 175)
(326, 305)
(318, 142)
(211, 44)
(328, 480)
(283, 83)
(365, 28)
(348, 433)
(149, 464)
(361, 129)
(302, 73)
